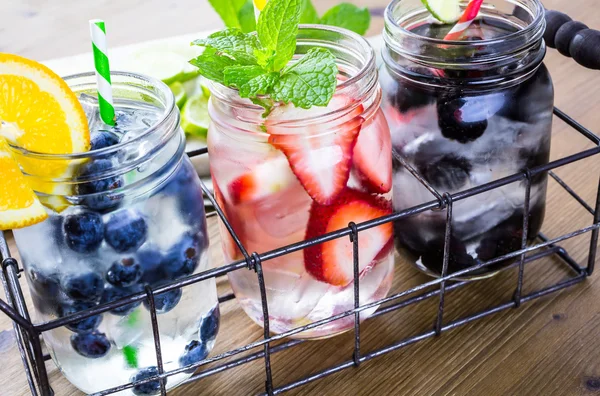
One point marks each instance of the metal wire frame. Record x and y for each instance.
(28, 334)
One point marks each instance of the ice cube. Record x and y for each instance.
(163, 214)
(127, 330)
(46, 255)
(91, 108)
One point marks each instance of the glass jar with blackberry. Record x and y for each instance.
(464, 113)
(127, 214)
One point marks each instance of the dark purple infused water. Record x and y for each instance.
(484, 28)
(459, 135)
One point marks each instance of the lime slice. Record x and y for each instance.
(205, 90)
(189, 72)
(194, 116)
(447, 11)
(164, 65)
(179, 93)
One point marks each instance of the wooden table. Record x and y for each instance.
(550, 346)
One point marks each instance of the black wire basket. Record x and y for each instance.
(29, 334)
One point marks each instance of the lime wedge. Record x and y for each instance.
(194, 116)
(179, 93)
(205, 90)
(164, 65)
(447, 11)
(189, 72)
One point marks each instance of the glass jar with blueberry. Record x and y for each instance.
(127, 214)
(464, 113)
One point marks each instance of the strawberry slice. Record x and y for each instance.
(230, 248)
(373, 155)
(332, 261)
(265, 179)
(320, 154)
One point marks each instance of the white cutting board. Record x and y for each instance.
(119, 56)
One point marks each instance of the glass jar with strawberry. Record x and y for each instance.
(299, 147)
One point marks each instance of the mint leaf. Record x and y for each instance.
(265, 103)
(259, 85)
(348, 16)
(277, 29)
(233, 43)
(211, 65)
(239, 75)
(309, 82)
(130, 353)
(265, 57)
(228, 11)
(251, 81)
(308, 13)
(247, 18)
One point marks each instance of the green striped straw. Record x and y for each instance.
(105, 98)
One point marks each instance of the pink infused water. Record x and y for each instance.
(298, 174)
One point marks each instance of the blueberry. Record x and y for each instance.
(210, 325)
(184, 184)
(195, 352)
(408, 97)
(125, 231)
(183, 177)
(450, 173)
(114, 293)
(182, 259)
(192, 209)
(99, 188)
(45, 285)
(103, 139)
(535, 157)
(45, 290)
(85, 287)
(86, 325)
(166, 301)
(124, 273)
(463, 119)
(91, 345)
(150, 260)
(531, 100)
(83, 231)
(149, 388)
(458, 259)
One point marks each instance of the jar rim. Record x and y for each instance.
(103, 152)
(394, 28)
(368, 65)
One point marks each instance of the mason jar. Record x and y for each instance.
(298, 174)
(125, 215)
(464, 113)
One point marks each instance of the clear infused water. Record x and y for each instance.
(137, 219)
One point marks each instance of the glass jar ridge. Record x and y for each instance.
(507, 59)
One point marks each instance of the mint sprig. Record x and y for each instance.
(240, 14)
(256, 64)
(277, 29)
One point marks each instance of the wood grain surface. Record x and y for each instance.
(550, 346)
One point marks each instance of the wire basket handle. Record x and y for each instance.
(573, 39)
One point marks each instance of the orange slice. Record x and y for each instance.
(39, 113)
(19, 206)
